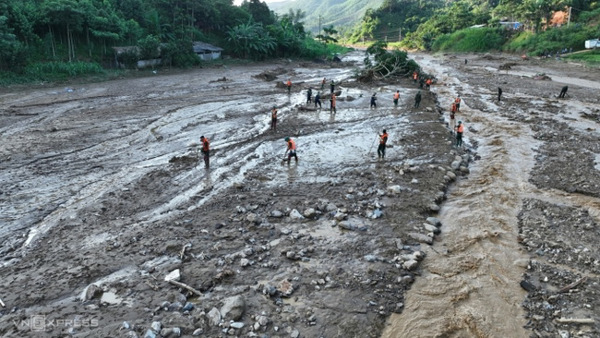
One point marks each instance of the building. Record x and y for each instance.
(206, 51)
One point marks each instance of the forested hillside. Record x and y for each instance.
(339, 13)
(71, 37)
(537, 25)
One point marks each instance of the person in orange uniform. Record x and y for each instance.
(274, 119)
(459, 133)
(415, 76)
(332, 100)
(205, 150)
(452, 119)
(396, 97)
(289, 85)
(291, 149)
(428, 83)
(457, 101)
(382, 142)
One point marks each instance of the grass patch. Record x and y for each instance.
(315, 49)
(592, 56)
(470, 40)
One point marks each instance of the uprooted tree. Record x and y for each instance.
(382, 64)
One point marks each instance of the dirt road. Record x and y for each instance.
(103, 195)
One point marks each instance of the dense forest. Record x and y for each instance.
(41, 37)
(444, 25)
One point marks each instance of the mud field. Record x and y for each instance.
(103, 194)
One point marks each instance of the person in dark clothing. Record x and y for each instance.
(332, 85)
(373, 100)
(418, 99)
(421, 82)
(499, 93)
(563, 91)
(382, 142)
(309, 96)
(318, 99)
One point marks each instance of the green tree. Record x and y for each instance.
(260, 11)
(251, 40)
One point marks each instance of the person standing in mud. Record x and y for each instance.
(428, 83)
(459, 133)
(205, 150)
(499, 93)
(415, 76)
(289, 86)
(373, 101)
(396, 98)
(332, 102)
(309, 96)
(452, 117)
(563, 92)
(274, 119)
(382, 142)
(418, 99)
(291, 150)
(323, 82)
(318, 100)
(457, 102)
(332, 86)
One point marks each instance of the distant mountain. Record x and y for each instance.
(339, 13)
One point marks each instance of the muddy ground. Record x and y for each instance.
(103, 195)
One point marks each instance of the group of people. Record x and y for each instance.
(460, 128)
(422, 80)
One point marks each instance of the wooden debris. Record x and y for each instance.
(2, 303)
(185, 247)
(572, 285)
(187, 287)
(575, 320)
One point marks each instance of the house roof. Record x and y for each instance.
(124, 49)
(202, 47)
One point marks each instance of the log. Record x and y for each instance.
(575, 320)
(2, 303)
(572, 285)
(187, 287)
(182, 253)
(305, 108)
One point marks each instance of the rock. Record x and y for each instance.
(253, 218)
(410, 264)
(237, 325)
(276, 214)
(339, 216)
(455, 165)
(395, 189)
(464, 170)
(244, 262)
(214, 317)
(170, 332)
(331, 207)
(233, 308)
(156, 326)
(434, 221)
(150, 334)
(91, 292)
(295, 214)
(370, 258)
(198, 332)
(451, 175)
(421, 238)
(285, 288)
(173, 275)
(434, 207)
(295, 334)
(188, 306)
(352, 225)
(431, 228)
(310, 213)
(262, 320)
(240, 209)
(376, 214)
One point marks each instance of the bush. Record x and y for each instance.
(179, 54)
(53, 71)
(313, 49)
